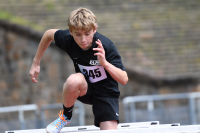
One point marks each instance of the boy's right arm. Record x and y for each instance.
(46, 40)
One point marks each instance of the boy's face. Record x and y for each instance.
(83, 38)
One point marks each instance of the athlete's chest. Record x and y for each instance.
(84, 58)
(89, 66)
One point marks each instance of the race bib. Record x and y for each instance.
(94, 73)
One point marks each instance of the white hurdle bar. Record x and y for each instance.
(138, 127)
(90, 127)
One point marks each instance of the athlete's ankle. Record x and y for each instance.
(68, 111)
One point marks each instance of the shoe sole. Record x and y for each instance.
(49, 132)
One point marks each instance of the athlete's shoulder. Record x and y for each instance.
(63, 39)
(65, 34)
(106, 42)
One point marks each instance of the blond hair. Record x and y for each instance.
(82, 19)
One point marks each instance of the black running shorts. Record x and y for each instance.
(104, 108)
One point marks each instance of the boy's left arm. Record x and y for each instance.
(116, 73)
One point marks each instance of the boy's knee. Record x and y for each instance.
(73, 81)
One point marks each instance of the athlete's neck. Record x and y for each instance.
(88, 47)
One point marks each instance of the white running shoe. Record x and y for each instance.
(58, 124)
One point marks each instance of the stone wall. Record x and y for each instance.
(18, 46)
(17, 52)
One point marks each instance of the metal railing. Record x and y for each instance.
(40, 120)
(20, 109)
(130, 102)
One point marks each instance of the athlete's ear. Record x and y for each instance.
(95, 30)
(70, 31)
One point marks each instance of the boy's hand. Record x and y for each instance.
(34, 72)
(101, 53)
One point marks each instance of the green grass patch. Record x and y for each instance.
(19, 20)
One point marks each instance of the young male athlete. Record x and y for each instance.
(98, 69)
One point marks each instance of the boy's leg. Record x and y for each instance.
(108, 125)
(74, 87)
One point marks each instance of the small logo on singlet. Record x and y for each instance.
(117, 114)
(94, 62)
